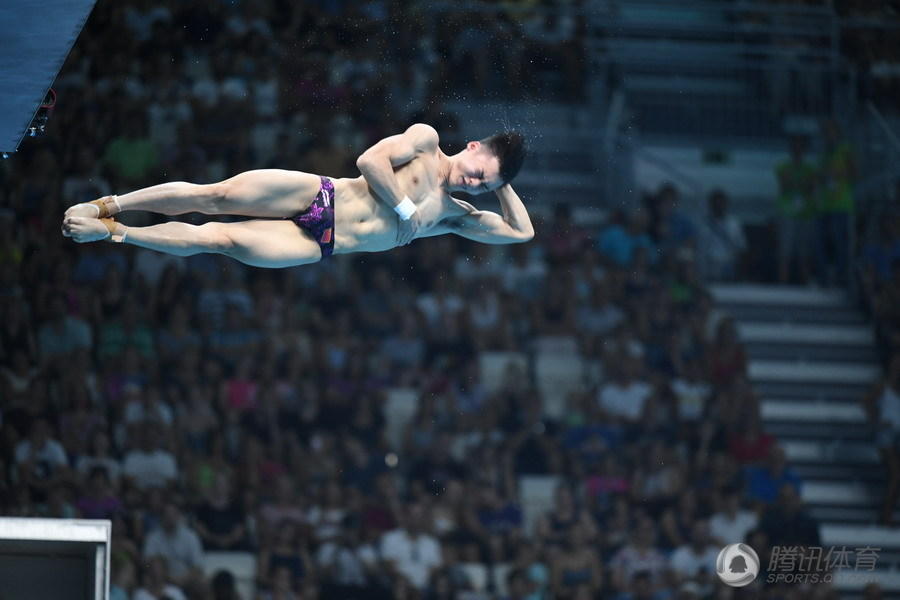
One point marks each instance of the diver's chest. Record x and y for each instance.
(423, 189)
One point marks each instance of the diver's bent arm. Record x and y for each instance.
(377, 163)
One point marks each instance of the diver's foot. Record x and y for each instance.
(101, 208)
(85, 229)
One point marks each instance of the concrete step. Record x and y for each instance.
(872, 474)
(885, 538)
(805, 391)
(812, 372)
(785, 295)
(847, 581)
(842, 494)
(778, 410)
(778, 305)
(811, 352)
(791, 334)
(794, 314)
(821, 432)
(846, 515)
(860, 453)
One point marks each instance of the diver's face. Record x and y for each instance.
(476, 171)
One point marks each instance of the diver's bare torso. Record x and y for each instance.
(364, 223)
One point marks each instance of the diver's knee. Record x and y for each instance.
(215, 237)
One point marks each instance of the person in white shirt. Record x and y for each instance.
(691, 391)
(41, 461)
(178, 544)
(625, 397)
(348, 563)
(40, 447)
(722, 238)
(599, 316)
(690, 560)
(149, 465)
(99, 456)
(731, 524)
(155, 584)
(410, 550)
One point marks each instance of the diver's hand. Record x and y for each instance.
(406, 230)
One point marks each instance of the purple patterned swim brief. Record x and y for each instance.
(318, 219)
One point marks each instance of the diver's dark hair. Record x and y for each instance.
(509, 148)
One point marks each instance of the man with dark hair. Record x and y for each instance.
(405, 192)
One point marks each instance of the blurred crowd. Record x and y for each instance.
(207, 407)
(204, 406)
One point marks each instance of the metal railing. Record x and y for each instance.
(878, 187)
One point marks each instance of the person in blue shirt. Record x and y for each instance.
(765, 481)
(623, 236)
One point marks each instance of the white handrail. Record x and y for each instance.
(885, 126)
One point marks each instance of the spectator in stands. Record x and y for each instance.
(41, 461)
(672, 228)
(624, 236)
(17, 332)
(62, 334)
(627, 398)
(149, 465)
(123, 578)
(641, 588)
(155, 582)
(689, 561)
(219, 520)
(554, 526)
(178, 544)
(18, 378)
(287, 550)
(517, 586)
(564, 239)
(554, 312)
(639, 555)
(727, 359)
(722, 241)
(677, 522)
(223, 587)
(99, 502)
(750, 444)
(99, 456)
(132, 157)
(886, 309)
(764, 482)
(284, 505)
(882, 405)
(576, 570)
(691, 391)
(348, 565)
(410, 551)
(872, 591)
(731, 523)
(796, 212)
(282, 588)
(598, 315)
(836, 176)
(787, 523)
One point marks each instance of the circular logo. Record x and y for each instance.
(737, 565)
